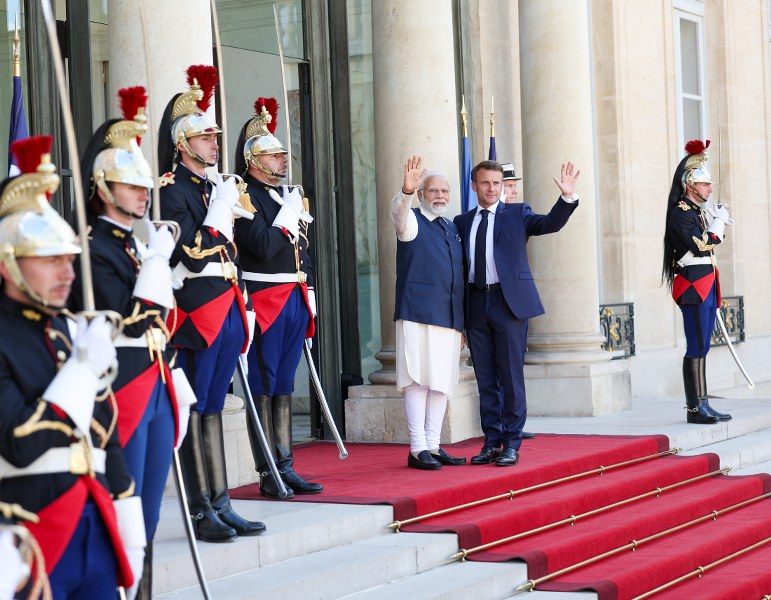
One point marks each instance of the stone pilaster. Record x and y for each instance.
(567, 372)
(415, 113)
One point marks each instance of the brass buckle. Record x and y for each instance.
(301, 277)
(80, 458)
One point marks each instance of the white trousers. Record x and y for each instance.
(425, 412)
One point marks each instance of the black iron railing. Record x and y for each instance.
(732, 309)
(617, 323)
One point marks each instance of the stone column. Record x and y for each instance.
(415, 113)
(180, 36)
(568, 372)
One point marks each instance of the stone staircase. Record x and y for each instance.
(325, 551)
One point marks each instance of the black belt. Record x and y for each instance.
(486, 288)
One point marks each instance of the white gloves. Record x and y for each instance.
(131, 525)
(312, 301)
(154, 282)
(185, 399)
(222, 203)
(75, 387)
(721, 218)
(292, 210)
(15, 570)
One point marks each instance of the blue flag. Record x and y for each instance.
(492, 155)
(469, 195)
(18, 127)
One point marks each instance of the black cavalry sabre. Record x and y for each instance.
(241, 367)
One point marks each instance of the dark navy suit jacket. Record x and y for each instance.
(514, 224)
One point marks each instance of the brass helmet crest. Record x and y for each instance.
(122, 160)
(188, 115)
(259, 131)
(29, 227)
(696, 164)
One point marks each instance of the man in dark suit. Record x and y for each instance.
(501, 298)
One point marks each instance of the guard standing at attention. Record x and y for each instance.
(209, 325)
(694, 227)
(279, 276)
(134, 280)
(60, 456)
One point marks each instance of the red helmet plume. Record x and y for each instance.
(696, 146)
(207, 78)
(29, 151)
(131, 100)
(271, 105)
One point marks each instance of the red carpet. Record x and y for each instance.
(377, 474)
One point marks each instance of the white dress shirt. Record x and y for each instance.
(492, 271)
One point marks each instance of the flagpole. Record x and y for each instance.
(16, 48)
(493, 153)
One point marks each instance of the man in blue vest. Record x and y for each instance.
(429, 310)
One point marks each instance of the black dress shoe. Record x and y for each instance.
(527, 435)
(210, 528)
(241, 525)
(298, 484)
(446, 459)
(508, 458)
(424, 461)
(486, 456)
(269, 488)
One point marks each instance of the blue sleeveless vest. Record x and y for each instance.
(429, 275)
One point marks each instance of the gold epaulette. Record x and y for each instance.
(166, 179)
(683, 206)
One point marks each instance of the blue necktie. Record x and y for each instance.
(480, 254)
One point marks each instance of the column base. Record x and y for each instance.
(375, 413)
(578, 390)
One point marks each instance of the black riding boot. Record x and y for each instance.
(282, 428)
(697, 413)
(703, 391)
(207, 525)
(145, 589)
(214, 449)
(268, 486)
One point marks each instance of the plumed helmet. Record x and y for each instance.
(189, 116)
(694, 169)
(260, 129)
(121, 159)
(29, 227)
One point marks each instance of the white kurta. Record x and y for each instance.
(428, 355)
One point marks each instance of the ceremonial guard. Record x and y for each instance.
(209, 324)
(694, 226)
(510, 180)
(279, 276)
(60, 456)
(134, 280)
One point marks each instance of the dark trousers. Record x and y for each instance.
(698, 323)
(276, 352)
(497, 340)
(210, 371)
(148, 454)
(88, 568)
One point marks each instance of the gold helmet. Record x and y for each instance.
(695, 169)
(29, 227)
(122, 160)
(188, 115)
(260, 129)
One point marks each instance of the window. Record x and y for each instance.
(690, 71)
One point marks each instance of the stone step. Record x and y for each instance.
(739, 452)
(460, 581)
(294, 529)
(334, 572)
